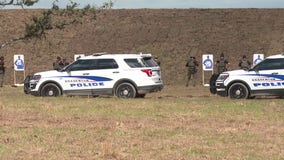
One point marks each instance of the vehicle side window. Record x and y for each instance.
(106, 64)
(133, 63)
(92, 64)
(79, 65)
(270, 64)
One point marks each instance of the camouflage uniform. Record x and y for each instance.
(64, 63)
(222, 64)
(244, 63)
(2, 71)
(192, 69)
(57, 64)
(157, 61)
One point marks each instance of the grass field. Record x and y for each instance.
(176, 124)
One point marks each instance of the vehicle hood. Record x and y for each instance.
(237, 72)
(49, 73)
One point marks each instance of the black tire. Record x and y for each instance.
(27, 84)
(50, 90)
(125, 90)
(238, 91)
(212, 83)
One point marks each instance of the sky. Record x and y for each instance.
(183, 4)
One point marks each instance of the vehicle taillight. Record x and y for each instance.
(147, 71)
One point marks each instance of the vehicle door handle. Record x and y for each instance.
(115, 72)
(86, 74)
(274, 73)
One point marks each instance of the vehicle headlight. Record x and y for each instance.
(36, 77)
(223, 77)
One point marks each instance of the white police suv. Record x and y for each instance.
(122, 75)
(266, 78)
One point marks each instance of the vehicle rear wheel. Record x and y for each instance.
(125, 90)
(238, 91)
(50, 90)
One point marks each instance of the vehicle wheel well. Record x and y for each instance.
(43, 84)
(123, 81)
(239, 81)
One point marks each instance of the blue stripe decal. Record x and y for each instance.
(93, 78)
(266, 75)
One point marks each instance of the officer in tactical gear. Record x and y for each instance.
(222, 64)
(191, 64)
(244, 63)
(156, 59)
(2, 71)
(57, 63)
(63, 63)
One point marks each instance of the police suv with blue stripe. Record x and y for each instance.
(266, 79)
(122, 75)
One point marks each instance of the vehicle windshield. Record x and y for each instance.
(66, 67)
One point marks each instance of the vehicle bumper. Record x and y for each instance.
(27, 89)
(34, 93)
(148, 89)
(29, 85)
(221, 89)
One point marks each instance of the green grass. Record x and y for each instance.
(172, 124)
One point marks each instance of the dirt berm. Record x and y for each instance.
(171, 34)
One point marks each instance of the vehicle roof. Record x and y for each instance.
(276, 56)
(111, 55)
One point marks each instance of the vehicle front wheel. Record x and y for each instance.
(50, 90)
(125, 90)
(238, 91)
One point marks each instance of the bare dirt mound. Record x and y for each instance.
(171, 34)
